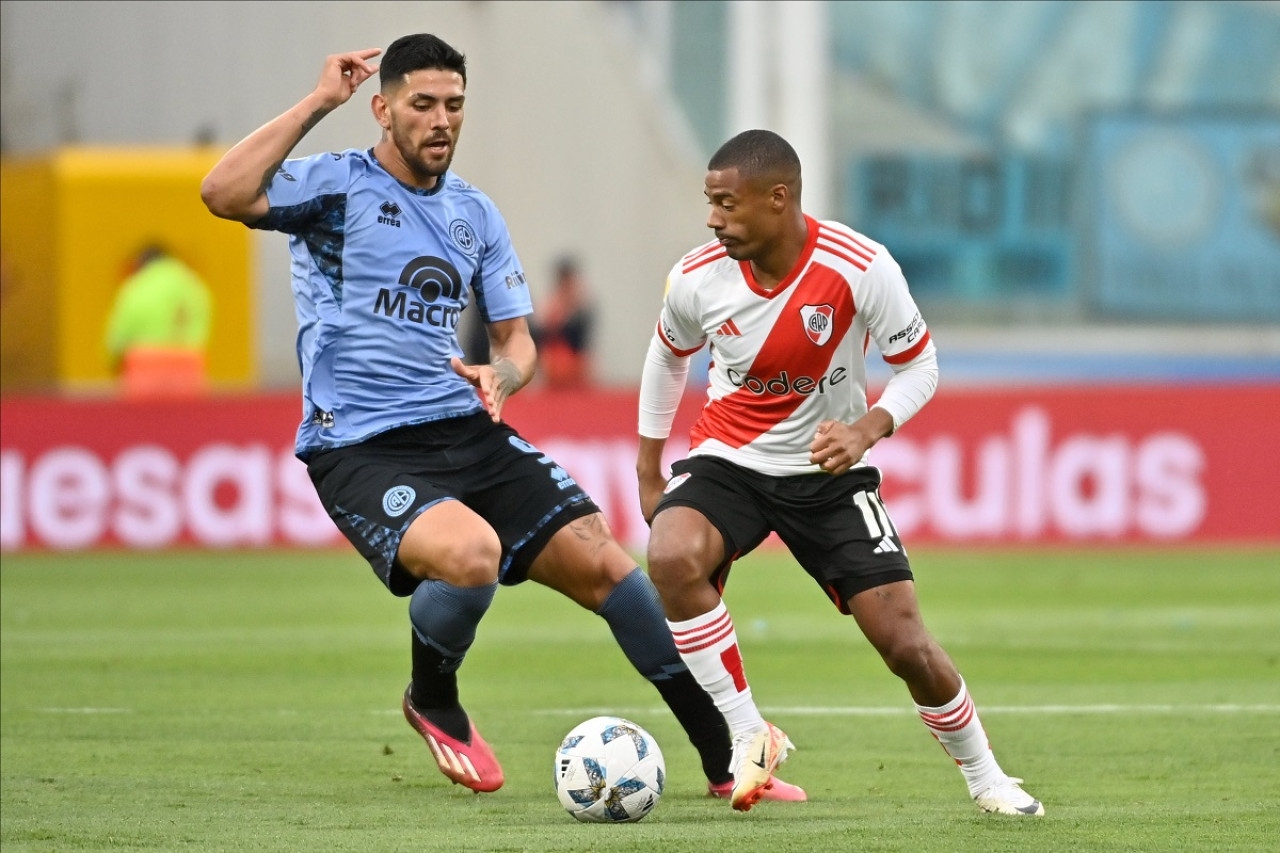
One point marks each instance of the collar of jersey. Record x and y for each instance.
(810, 241)
(415, 190)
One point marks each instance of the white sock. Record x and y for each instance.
(708, 645)
(958, 729)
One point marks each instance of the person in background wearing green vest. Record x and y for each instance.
(159, 324)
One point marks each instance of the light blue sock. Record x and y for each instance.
(634, 613)
(445, 616)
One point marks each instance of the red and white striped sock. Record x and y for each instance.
(708, 645)
(958, 729)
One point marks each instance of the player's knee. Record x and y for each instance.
(907, 656)
(672, 564)
(469, 561)
(477, 568)
(590, 580)
(593, 583)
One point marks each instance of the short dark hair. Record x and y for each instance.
(417, 52)
(759, 154)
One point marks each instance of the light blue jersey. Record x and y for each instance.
(381, 273)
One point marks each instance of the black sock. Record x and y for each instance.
(434, 690)
(702, 721)
(634, 613)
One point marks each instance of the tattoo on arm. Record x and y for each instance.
(268, 175)
(310, 122)
(508, 376)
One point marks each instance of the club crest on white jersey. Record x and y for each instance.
(786, 358)
(818, 322)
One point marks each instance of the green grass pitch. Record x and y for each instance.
(247, 701)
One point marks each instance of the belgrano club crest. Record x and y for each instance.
(817, 322)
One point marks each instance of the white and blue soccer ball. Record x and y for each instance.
(609, 770)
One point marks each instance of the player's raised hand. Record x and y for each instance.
(343, 73)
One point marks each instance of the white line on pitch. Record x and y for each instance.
(86, 710)
(847, 711)
(1043, 709)
(986, 709)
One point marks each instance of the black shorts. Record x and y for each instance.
(375, 489)
(836, 527)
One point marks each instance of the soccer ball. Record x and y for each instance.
(609, 770)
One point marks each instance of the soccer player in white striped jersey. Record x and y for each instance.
(789, 306)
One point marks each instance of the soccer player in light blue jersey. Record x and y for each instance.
(405, 443)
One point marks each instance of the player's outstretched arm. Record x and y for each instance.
(236, 187)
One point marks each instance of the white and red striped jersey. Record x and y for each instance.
(786, 359)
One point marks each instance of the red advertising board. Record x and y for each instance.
(1158, 464)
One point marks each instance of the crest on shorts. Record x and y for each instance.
(675, 482)
(817, 321)
(397, 500)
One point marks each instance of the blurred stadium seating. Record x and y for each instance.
(1046, 162)
(1050, 165)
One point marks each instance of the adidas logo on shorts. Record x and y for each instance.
(886, 546)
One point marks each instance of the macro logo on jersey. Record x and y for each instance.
(434, 279)
(397, 500)
(390, 214)
(817, 322)
(464, 237)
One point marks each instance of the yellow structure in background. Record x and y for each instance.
(71, 222)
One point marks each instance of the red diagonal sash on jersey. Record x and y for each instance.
(741, 417)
